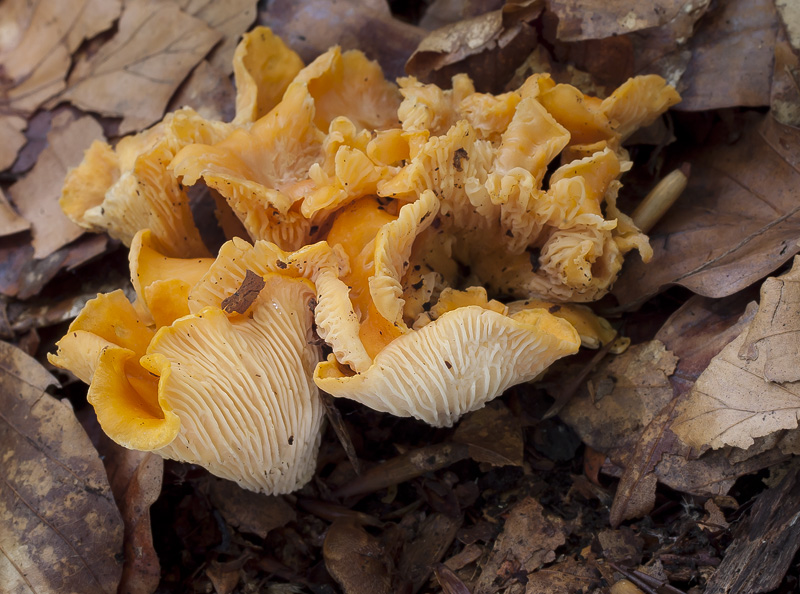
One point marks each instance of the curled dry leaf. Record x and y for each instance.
(61, 529)
(313, 26)
(36, 195)
(790, 16)
(154, 49)
(528, 541)
(736, 222)
(490, 47)
(721, 409)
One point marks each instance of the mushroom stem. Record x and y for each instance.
(661, 198)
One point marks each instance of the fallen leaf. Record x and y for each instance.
(772, 532)
(621, 546)
(356, 559)
(36, 195)
(790, 16)
(696, 333)
(135, 73)
(135, 479)
(311, 27)
(785, 91)
(490, 47)
(10, 221)
(431, 541)
(61, 530)
(11, 128)
(493, 434)
(444, 12)
(528, 541)
(449, 581)
(38, 41)
(737, 220)
(230, 19)
(249, 512)
(597, 19)
(734, 401)
(774, 333)
(621, 397)
(566, 577)
(469, 554)
(735, 36)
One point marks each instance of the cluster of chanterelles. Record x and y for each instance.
(382, 215)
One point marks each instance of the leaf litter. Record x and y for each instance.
(649, 478)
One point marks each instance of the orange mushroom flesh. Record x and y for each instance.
(355, 228)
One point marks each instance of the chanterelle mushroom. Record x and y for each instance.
(230, 392)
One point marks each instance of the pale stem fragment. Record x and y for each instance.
(660, 199)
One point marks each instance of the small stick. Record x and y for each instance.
(661, 198)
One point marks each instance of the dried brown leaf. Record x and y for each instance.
(38, 41)
(62, 531)
(774, 333)
(528, 541)
(493, 434)
(597, 19)
(249, 512)
(749, 390)
(622, 396)
(449, 581)
(735, 36)
(420, 554)
(230, 19)
(36, 195)
(311, 27)
(137, 71)
(697, 332)
(736, 222)
(785, 91)
(356, 559)
(567, 577)
(790, 16)
(10, 221)
(444, 12)
(490, 47)
(135, 479)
